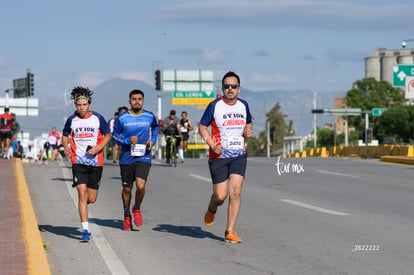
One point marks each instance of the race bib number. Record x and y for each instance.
(235, 143)
(137, 150)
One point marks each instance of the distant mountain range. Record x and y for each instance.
(110, 95)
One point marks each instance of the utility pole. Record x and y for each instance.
(158, 68)
(268, 138)
(314, 107)
(315, 136)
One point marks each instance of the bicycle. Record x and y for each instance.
(173, 149)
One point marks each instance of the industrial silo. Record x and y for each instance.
(386, 68)
(372, 67)
(406, 59)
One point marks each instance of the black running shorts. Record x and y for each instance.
(129, 173)
(220, 169)
(186, 136)
(5, 135)
(85, 174)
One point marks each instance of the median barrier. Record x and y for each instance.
(384, 150)
(398, 159)
(402, 151)
(387, 153)
(311, 152)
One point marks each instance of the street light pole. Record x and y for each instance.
(315, 136)
(159, 65)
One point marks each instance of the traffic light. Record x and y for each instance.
(158, 80)
(19, 92)
(317, 111)
(368, 135)
(160, 125)
(30, 84)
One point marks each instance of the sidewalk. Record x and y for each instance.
(21, 247)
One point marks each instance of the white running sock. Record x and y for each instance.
(181, 153)
(85, 226)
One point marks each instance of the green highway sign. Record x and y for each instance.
(195, 94)
(399, 73)
(378, 111)
(192, 98)
(343, 111)
(19, 83)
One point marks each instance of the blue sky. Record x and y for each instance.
(272, 44)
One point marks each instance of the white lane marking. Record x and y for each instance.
(256, 160)
(313, 207)
(107, 253)
(200, 177)
(337, 174)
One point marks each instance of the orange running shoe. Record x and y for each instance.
(209, 218)
(137, 217)
(231, 237)
(127, 224)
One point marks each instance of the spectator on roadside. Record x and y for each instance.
(7, 123)
(30, 154)
(18, 152)
(112, 143)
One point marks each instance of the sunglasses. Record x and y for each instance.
(233, 86)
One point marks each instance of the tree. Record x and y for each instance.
(396, 122)
(369, 93)
(278, 130)
(325, 137)
(255, 147)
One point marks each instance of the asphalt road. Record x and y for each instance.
(298, 216)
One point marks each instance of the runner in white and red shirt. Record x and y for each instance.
(51, 142)
(7, 122)
(230, 121)
(89, 134)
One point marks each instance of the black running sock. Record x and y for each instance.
(127, 213)
(137, 206)
(211, 211)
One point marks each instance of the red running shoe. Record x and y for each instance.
(137, 217)
(127, 224)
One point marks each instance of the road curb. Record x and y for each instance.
(396, 159)
(36, 256)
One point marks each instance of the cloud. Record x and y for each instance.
(270, 79)
(308, 57)
(205, 55)
(309, 14)
(261, 53)
(93, 79)
(133, 75)
(212, 56)
(344, 55)
(3, 62)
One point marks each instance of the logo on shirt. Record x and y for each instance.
(84, 132)
(232, 119)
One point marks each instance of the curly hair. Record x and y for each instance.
(81, 93)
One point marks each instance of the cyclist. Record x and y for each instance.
(171, 127)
